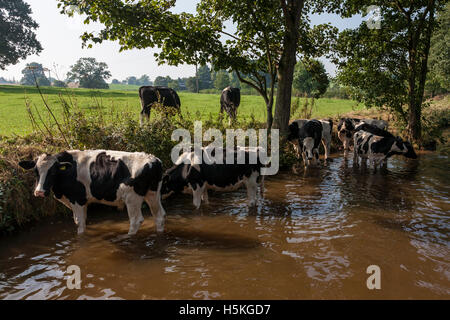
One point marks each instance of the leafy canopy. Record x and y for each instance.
(90, 73)
(17, 37)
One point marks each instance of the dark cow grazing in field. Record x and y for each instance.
(346, 129)
(196, 179)
(378, 148)
(294, 133)
(306, 135)
(229, 101)
(163, 95)
(78, 178)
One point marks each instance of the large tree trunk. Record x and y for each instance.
(285, 77)
(285, 74)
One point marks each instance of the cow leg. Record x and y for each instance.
(79, 216)
(252, 188)
(316, 156)
(153, 200)
(134, 214)
(197, 194)
(327, 146)
(261, 186)
(205, 196)
(305, 159)
(144, 116)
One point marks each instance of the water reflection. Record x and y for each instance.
(312, 236)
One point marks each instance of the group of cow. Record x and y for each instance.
(230, 100)
(371, 140)
(78, 178)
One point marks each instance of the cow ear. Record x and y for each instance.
(63, 166)
(27, 164)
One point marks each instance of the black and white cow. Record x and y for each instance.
(229, 101)
(346, 129)
(150, 95)
(78, 178)
(295, 132)
(378, 148)
(188, 177)
(306, 136)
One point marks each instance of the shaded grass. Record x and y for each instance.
(14, 119)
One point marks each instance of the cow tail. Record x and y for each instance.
(331, 125)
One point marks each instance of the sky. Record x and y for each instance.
(60, 38)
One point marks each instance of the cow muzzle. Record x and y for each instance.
(39, 193)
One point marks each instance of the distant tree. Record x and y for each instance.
(191, 84)
(132, 80)
(311, 79)
(162, 81)
(59, 83)
(115, 81)
(17, 37)
(144, 80)
(174, 85)
(204, 78)
(234, 82)
(34, 72)
(90, 73)
(439, 61)
(222, 79)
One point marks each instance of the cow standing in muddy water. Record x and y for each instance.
(378, 148)
(346, 129)
(306, 136)
(188, 177)
(78, 178)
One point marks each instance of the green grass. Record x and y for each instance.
(14, 119)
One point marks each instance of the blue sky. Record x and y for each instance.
(59, 36)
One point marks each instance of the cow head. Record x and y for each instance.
(405, 148)
(47, 168)
(308, 148)
(345, 132)
(175, 180)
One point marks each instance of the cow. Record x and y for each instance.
(229, 101)
(378, 148)
(188, 177)
(150, 95)
(346, 129)
(306, 136)
(295, 132)
(78, 178)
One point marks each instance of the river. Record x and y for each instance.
(312, 237)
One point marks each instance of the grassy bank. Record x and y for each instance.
(14, 101)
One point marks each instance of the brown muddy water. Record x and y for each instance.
(312, 237)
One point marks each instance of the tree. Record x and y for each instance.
(17, 37)
(115, 81)
(387, 67)
(439, 61)
(32, 73)
(204, 77)
(191, 84)
(132, 80)
(162, 81)
(269, 36)
(222, 80)
(144, 80)
(90, 73)
(311, 79)
(174, 85)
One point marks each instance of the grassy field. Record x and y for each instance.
(14, 119)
